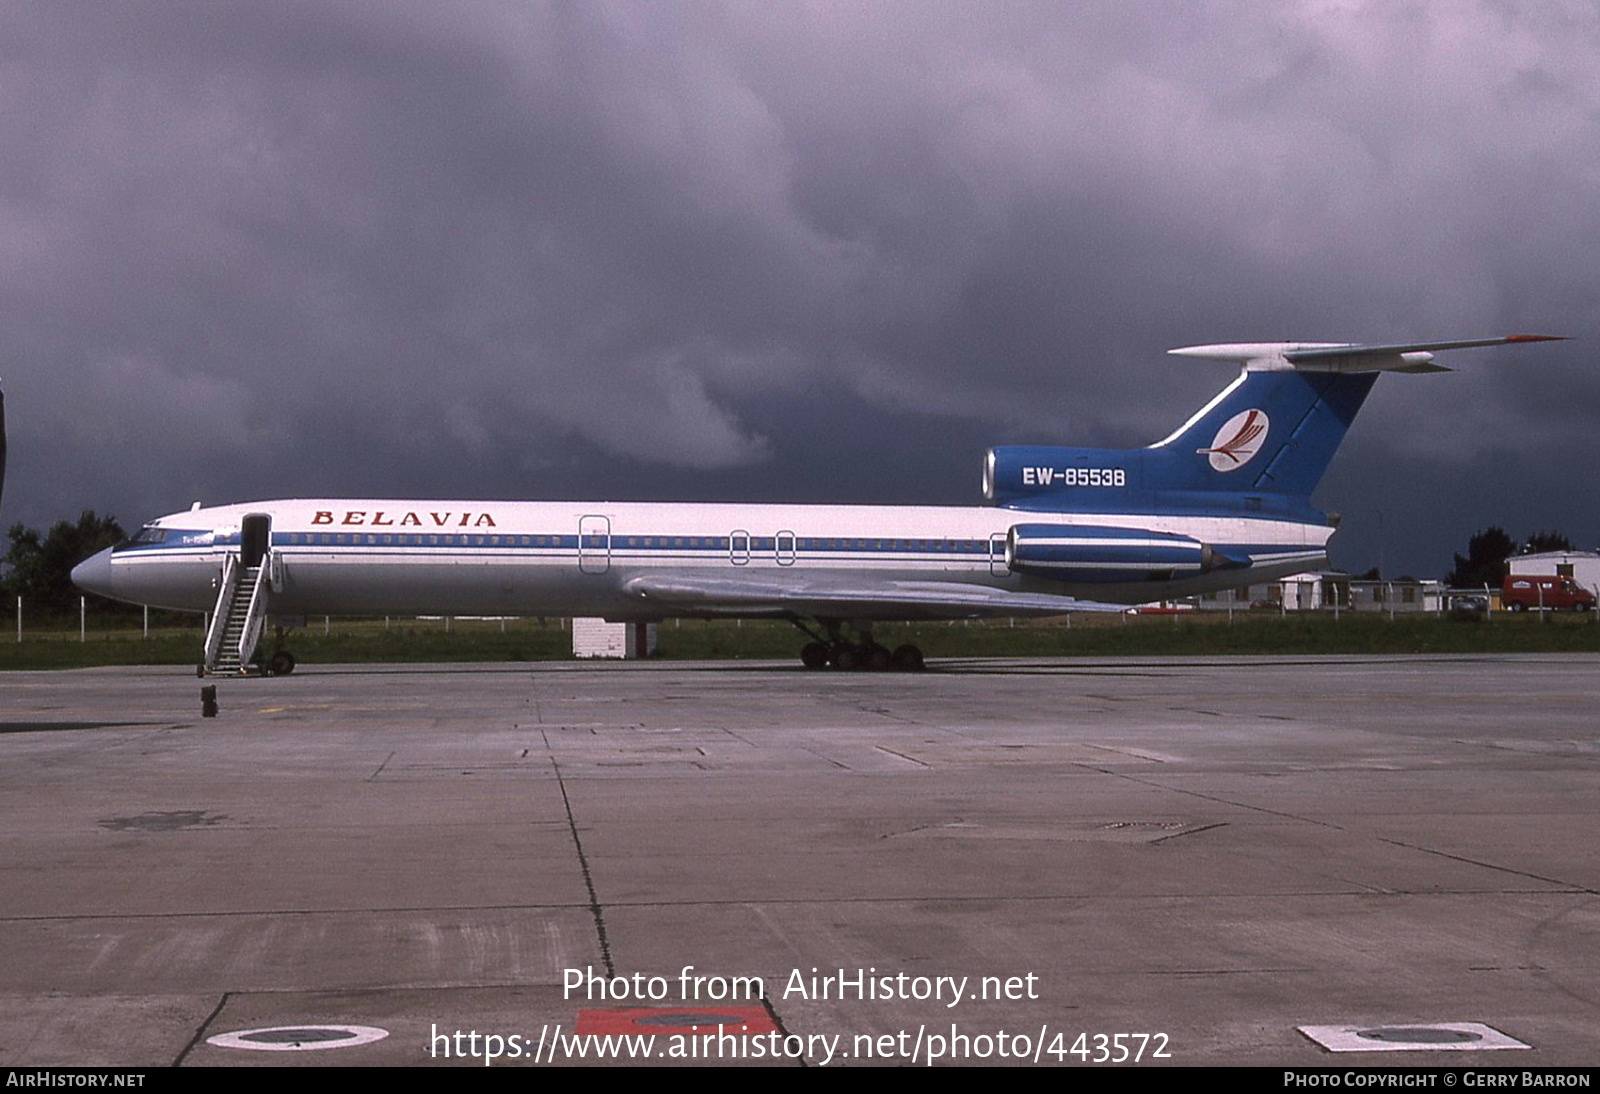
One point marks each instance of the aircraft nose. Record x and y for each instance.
(93, 574)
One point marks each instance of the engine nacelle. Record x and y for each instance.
(1097, 555)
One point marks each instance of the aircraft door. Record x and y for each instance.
(255, 537)
(739, 547)
(594, 544)
(997, 555)
(784, 548)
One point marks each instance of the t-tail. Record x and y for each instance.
(1261, 446)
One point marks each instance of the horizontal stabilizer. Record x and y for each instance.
(1346, 356)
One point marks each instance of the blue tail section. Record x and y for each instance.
(1271, 431)
(1262, 445)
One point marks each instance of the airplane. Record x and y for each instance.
(1223, 501)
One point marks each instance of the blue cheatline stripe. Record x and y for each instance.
(691, 547)
(619, 544)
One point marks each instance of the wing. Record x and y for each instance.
(821, 596)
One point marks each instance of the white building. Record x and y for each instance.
(1581, 566)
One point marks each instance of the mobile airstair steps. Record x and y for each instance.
(240, 613)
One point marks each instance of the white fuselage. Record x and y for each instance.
(372, 556)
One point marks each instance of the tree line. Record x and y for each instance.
(38, 567)
(1488, 552)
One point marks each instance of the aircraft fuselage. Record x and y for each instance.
(376, 556)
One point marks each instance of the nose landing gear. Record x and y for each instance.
(280, 662)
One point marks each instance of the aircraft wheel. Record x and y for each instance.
(849, 658)
(814, 655)
(281, 664)
(878, 658)
(907, 658)
(1518, 606)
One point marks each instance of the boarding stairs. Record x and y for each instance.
(239, 617)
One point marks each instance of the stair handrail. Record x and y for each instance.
(219, 614)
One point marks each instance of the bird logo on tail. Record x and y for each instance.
(1239, 439)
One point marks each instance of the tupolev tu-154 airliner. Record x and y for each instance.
(1225, 500)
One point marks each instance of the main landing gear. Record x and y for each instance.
(834, 650)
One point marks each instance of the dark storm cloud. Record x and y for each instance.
(782, 250)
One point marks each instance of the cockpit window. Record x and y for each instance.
(150, 533)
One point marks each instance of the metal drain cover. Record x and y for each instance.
(1419, 1035)
(1412, 1037)
(299, 1038)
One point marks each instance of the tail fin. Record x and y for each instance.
(1261, 445)
(1275, 429)
(1268, 431)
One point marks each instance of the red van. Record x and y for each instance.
(1524, 591)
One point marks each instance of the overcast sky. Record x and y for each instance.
(785, 251)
